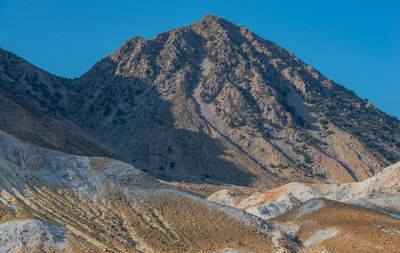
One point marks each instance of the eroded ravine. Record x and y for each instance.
(208, 114)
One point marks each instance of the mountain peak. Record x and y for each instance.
(212, 23)
(210, 17)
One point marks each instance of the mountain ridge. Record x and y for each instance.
(273, 117)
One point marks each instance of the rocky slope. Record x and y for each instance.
(214, 95)
(213, 102)
(32, 105)
(54, 202)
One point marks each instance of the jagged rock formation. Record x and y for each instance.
(214, 102)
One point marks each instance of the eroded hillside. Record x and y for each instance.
(54, 202)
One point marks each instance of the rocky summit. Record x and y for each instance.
(206, 138)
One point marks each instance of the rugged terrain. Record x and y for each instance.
(56, 202)
(208, 102)
(214, 95)
(206, 138)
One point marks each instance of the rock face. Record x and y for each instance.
(55, 202)
(203, 103)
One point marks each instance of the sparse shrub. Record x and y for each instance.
(236, 122)
(119, 112)
(203, 81)
(203, 96)
(266, 134)
(307, 159)
(169, 149)
(323, 122)
(309, 100)
(58, 95)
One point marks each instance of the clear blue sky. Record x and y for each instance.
(355, 43)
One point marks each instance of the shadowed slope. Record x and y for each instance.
(32, 104)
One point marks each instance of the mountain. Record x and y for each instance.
(206, 138)
(214, 103)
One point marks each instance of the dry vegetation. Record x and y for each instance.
(359, 229)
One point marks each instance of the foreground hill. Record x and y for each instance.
(352, 217)
(380, 192)
(211, 102)
(329, 226)
(55, 202)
